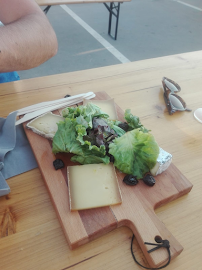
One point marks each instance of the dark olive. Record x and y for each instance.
(130, 180)
(58, 164)
(149, 180)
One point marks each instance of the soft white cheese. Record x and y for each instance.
(163, 162)
(45, 125)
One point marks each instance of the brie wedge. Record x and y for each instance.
(163, 162)
(45, 125)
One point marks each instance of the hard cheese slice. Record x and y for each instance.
(106, 106)
(92, 185)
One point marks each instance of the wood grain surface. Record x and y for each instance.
(135, 212)
(31, 235)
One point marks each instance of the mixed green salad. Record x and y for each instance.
(92, 137)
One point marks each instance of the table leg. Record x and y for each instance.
(46, 9)
(113, 10)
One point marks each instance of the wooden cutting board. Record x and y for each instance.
(135, 212)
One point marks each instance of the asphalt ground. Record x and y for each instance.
(147, 29)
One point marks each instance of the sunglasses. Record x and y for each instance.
(173, 102)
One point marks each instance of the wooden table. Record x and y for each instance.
(112, 6)
(31, 235)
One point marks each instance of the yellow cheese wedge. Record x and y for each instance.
(93, 185)
(107, 106)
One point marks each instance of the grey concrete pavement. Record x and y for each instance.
(147, 29)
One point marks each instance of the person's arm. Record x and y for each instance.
(27, 38)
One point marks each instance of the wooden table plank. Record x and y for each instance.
(37, 240)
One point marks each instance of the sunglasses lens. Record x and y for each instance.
(176, 103)
(173, 101)
(171, 86)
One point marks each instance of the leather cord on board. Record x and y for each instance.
(161, 243)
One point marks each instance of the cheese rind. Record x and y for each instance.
(45, 125)
(163, 162)
(107, 106)
(92, 186)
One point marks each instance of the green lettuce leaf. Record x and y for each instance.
(119, 131)
(134, 121)
(87, 112)
(135, 152)
(65, 137)
(114, 125)
(69, 139)
(91, 155)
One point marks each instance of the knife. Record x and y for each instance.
(68, 102)
(7, 143)
(61, 101)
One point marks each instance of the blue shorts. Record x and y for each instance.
(9, 77)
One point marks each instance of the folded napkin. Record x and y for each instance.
(21, 159)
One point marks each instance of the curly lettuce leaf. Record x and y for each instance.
(82, 121)
(119, 131)
(135, 152)
(86, 113)
(134, 121)
(91, 155)
(114, 124)
(65, 137)
(69, 139)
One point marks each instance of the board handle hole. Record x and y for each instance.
(158, 239)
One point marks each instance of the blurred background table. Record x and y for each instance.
(31, 235)
(112, 6)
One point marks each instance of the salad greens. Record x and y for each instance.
(92, 137)
(134, 122)
(134, 153)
